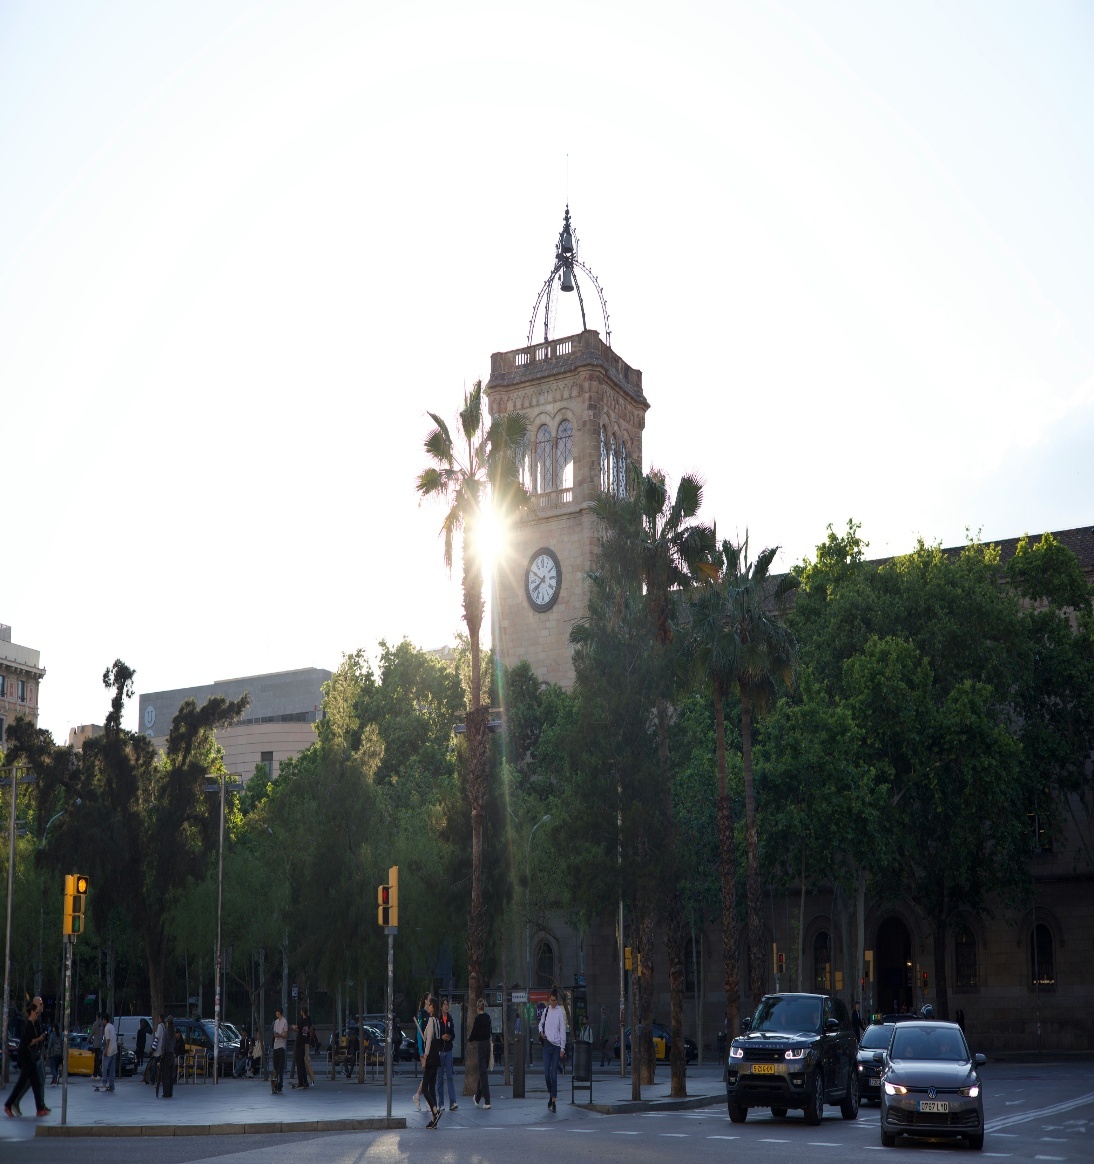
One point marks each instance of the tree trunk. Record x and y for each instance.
(756, 960)
(729, 877)
(649, 1064)
(155, 947)
(478, 759)
(860, 939)
(675, 944)
(941, 990)
(697, 971)
(801, 928)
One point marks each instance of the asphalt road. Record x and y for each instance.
(1039, 1113)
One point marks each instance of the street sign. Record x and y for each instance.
(519, 996)
(295, 990)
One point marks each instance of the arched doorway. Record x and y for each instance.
(893, 958)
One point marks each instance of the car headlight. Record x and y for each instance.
(795, 1054)
(861, 1068)
(736, 1052)
(895, 1089)
(971, 1092)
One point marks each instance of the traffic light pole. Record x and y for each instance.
(391, 931)
(65, 1016)
(220, 949)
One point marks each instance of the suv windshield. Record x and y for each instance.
(933, 1042)
(788, 1014)
(876, 1038)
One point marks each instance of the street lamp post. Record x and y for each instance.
(528, 922)
(221, 786)
(16, 776)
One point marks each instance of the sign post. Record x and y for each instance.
(387, 915)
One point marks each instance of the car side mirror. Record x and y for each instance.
(746, 1024)
(832, 1024)
(979, 1059)
(879, 1056)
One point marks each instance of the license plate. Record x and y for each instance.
(873, 1082)
(933, 1105)
(763, 1068)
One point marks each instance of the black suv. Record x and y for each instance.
(799, 1051)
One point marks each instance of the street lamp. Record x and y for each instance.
(528, 913)
(222, 786)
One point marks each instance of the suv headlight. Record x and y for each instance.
(895, 1089)
(971, 1092)
(798, 1054)
(736, 1052)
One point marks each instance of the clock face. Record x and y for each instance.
(544, 579)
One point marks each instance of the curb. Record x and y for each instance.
(630, 1107)
(396, 1123)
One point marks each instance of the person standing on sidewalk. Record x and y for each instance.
(448, 1036)
(95, 1042)
(155, 1060)
(552, 1030)
(54, 1047)
(168, 1063)
(419, 1023)
(431, 1061)
(110, 1054)
(604, 1036)
(142, 1042)
(301, 1066)
(483, 1035)
(280, 1038)
(30, 1043)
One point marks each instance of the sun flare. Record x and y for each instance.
(490, 539)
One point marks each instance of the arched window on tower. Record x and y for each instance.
(603, 461)
(1042, 958)
(545, 967)
(613, 467)
(623, 483)
(545, 468)
(564, 456)
(822, 962)
(524, 463)
(965, 971)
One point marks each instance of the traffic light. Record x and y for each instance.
(924, 979)
(75, 895)
(383, 900)
(393, 895)
(782, 962)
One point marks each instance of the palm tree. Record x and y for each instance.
(468, 476)
(650, 538)
(743, 647)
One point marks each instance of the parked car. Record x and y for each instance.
(875, 1038)
(798, 1052)
(197, 1034)
(81, 1058)
(930, 1086)
(662, 1044)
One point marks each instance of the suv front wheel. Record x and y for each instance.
(738, 1113)
(814, 1106)
(849, 1106)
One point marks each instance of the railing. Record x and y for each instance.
(554, 499)
(506, 362)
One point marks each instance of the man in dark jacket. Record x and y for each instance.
(482, 1034)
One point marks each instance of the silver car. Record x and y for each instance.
(929, 1084)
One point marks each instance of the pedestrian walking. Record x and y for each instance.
(419, 1037)
(54, 1049)
(604, 1036)
(95, 1042)
(856, 1022)
(552, 1034)
(431, 1061)
(110, 1054)
(483, 1036)
(280, 1039)
(168, 1059)
(448, 1037)
(41, 1047)
(30, 1044)
(143, 1032)
(301, 1066)
(155, 1059)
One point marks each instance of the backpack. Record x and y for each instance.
(434, 1056)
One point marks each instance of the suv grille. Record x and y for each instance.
(760, 1054)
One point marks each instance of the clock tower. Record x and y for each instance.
(586, 412)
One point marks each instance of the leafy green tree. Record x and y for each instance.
(746, 648)
(650, 538)
(467, 476)
(144, 828)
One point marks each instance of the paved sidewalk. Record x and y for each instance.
(234, 1106)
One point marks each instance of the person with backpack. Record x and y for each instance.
(419, 1023)
(155, 1057)
(30, 1043)
(431, 1061)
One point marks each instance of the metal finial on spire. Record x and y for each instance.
(564, 272)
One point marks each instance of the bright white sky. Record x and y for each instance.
(245, 246)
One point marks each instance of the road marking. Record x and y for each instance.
(1012, 1102)
(582, 1131)
(774, 1141)
(674, 1135)
(655, 1115)
(615, 1133)
(1000, 1154)
(723, 1137)
(823, 1144)
(1054, 1139)
(539, 1129)
(1056, 1109)
(1050, 1157)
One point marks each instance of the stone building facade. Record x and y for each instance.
(586, 413)
(21, 675)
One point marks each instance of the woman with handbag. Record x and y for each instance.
(431, 1061)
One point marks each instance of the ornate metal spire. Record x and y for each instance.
(564, 275)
